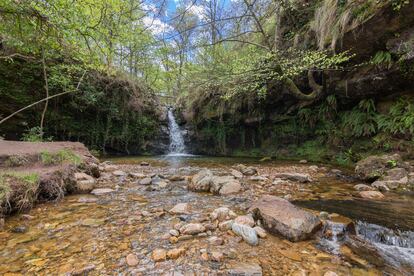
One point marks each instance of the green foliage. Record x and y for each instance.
(55, 158)
(398, 4)
(35, 134)
(17, 190)
(399, 120)
(382, 58)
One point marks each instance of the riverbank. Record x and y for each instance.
(137, 219)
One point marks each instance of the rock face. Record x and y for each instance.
(373, 167)
(205, 181)
(281, 217)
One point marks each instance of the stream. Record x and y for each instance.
(94, 234)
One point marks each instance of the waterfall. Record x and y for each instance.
(177, 146)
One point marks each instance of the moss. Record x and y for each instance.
(48, 158)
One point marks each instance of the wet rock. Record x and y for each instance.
(260, 232)
(119, 173)
(380, 185)
(90, 222)
(180, 208)
(236, 173)
(102, 191)
(324, 215)
(278, 181)
(145, 181)
(132, 260)
(373, 167)
(279, 216)
(258, 178)
(246, 220)
(245, 269)
(144, 164)
(175, 253)
(248, 234)
(192, 229)
(299, 177)
(87, 200)
(233, 187)
(330, 273)
(201, 181)
(27, 217)
(363, 187)
(136, 175)
(222, 213)
(174, 233)
(217, 256)
(19, 229)
(185, 237)
(371, 195)
(246, 170)
(216, 240)
(390, 184)
(159, 255)
(84, 183)
(225, 225)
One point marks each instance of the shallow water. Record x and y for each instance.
(77, 233)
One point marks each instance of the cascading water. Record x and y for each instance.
(177, 146)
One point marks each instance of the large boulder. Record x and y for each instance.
(84, 182)
(280, 217)
(375, 166)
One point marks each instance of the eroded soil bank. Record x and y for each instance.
(127, 226)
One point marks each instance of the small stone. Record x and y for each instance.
(248, 234)
(260, 232)
(381, 186)
(145, 181)
(246, 220)
(175, 253)
(363, 187)
(173, 240)
(324, 215)
(27, 217)
(137, 175)
(226, 225)
(236, 173)
(119, 173)
(192, 229)
(19, 229)
(144, 164)
(303, 161)
(216, 240)
(204, 256)
(180, 208)
(159, 255)
(371, 194)
(330, 273)
(217, 256)
(131, 260)
(222, 214)
(102, 191)
(185, 237)
(174, 233)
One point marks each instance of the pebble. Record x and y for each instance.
(260, 232)
(217, 256)
(102, 191)
(175, 253)
(159, 255)
(216, 240)
(174, 233)
(145, 181)
(132, 260)
(246, 232)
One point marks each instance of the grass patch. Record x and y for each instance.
(18, 190)
(55, 158)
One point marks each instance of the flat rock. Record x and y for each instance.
(280, 217)
(192, 229)
(371, 195)
(180, 209)
(246, 220)
(248, 234)
(145, 181)
(119, 173)
(201, 181)
(233, 187)
(363, 187)
(298, 177)
(246, 170)
(102, 191)
(245, 269)
(236, 173)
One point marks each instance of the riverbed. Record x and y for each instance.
(94, 234)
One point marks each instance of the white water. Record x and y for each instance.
(177, 146)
